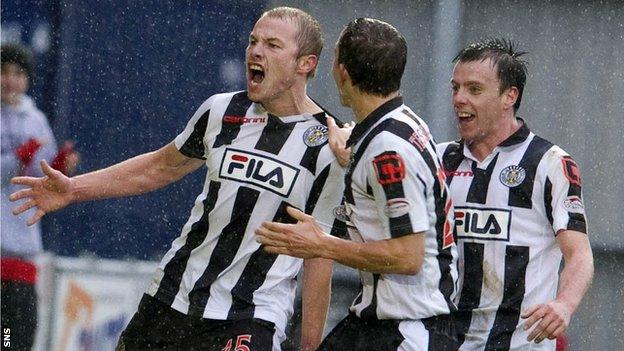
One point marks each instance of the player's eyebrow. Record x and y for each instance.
(269, 39)
(468, 82)
(274, 40)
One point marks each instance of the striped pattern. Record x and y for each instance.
(390, 166)
(257, 165)
(518, 198)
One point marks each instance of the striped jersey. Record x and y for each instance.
(508, 209)
(257, 165)
(394, 186)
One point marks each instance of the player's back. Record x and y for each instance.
(395, 187)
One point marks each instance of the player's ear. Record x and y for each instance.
(510, 96)
(306, 64)
(344, 74)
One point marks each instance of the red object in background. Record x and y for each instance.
(562, 343)
(60, 161)
(27, 151)
(18, 270)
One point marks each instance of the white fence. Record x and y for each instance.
(84, 303)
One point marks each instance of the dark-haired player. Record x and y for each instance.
(518, 209)
(397, 208)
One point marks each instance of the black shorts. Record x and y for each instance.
(353, 333)
(157, 326)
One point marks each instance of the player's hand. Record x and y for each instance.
(48, 193)
(338, 140)
(303, 240)
(550, 320)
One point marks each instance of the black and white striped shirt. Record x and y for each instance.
(257, 165)
(395, 187)
(508, 209)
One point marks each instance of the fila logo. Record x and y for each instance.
(252, 168)
(482, 223)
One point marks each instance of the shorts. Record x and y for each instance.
(353, 333)
(157, 326)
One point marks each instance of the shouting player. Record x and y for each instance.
(265, 148)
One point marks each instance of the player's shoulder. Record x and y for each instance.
(556, 157)
(219, 103)
(450, 146)
(552, 152)
(389, 142)
(226, 97)
(321, 117)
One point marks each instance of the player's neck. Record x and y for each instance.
(364, 104)
(482, 148)
(294, 101)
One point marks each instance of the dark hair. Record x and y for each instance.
(17, 54)
(505, 57)
(310, 35)
(374, 54)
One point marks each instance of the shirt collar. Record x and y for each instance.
(361, 128)
(519, 136)
(516, 138)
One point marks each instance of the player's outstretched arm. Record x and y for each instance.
(552, 319)
(402, 255)
(316, 292)
(135, 176)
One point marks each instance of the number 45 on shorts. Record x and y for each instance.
(240, 343)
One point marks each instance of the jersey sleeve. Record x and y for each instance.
(326, 194)
(191, 141)
(397, 178)
(563, 197)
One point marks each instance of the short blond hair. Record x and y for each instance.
(310, 35)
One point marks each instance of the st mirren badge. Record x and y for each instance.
(315, 136)
(340, 212)
(512, 176)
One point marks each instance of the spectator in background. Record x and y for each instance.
(26, 140)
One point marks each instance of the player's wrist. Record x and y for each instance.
(566, 306)
(73, 194)
(327, 249)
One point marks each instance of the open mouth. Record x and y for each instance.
(465, 116)
(256, 73)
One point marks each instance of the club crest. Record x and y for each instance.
(315, 136)
(512, 176)
(340, 212)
